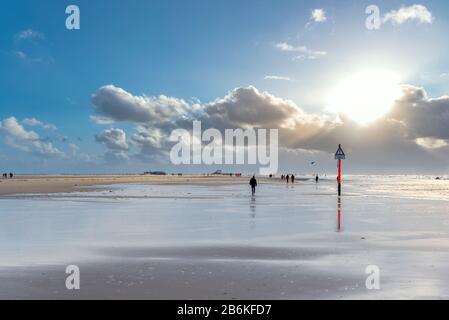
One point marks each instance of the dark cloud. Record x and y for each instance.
(423, 117)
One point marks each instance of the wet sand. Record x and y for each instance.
(180, 279)
(58, 184)
(185, 240)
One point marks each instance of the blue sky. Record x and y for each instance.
(198, 51)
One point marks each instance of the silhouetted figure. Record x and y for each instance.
(253, 184)
(282, 177)
(293, 178)
(287, 177)
(5, 176)
(11, 175)
(317, 179)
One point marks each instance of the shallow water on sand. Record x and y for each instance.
(387, 222)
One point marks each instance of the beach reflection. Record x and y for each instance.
(252, 206)
(339, 225)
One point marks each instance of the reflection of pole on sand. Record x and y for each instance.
(339, 226)
(252, 206)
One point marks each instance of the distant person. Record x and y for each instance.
(287, 177)
(293, 178)
(5, 176)
(282, 177)
(253, 184)
(11, 175)
(317, 179)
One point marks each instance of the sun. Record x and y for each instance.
(365, 96)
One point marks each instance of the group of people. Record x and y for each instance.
(5, 175)
(288, 178)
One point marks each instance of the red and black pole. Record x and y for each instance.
(339, 177)
(339, 156)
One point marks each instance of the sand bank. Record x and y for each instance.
(63, 184)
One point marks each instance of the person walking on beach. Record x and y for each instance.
(253, 184)
(293, 178)
(317, 179)
(11, 175)
(287, 178)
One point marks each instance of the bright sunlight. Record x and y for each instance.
(366, 96)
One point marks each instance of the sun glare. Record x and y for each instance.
(366, 96)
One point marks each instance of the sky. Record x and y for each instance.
(105, 98)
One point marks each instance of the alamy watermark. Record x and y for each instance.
(374, 20)
(373, 280)
(231, 150)
(72, 282)
(73, 21)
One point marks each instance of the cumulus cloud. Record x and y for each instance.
(241, 107)
(424, 117)
(302, 51)
(406, 137)
(115, 104)
(114, 139)
(33, 122)
(28, 141)
(318, 15)
(416, 12)
(244, 107)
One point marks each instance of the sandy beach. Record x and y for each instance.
(145, 237)
(59, 184)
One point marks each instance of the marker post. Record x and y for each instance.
(339, 156)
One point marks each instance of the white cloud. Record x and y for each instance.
(29, 34)
(25, 57)
(28, 141)
(33, 122)
(76, 154)
(245, 107)
(431, 143)
(21, 55)
(318, 15)
(73, 147)
(116, 104)
(11, 127)
(416, 12)
(116, 156)
(281, 78)
(114, 139)
(101, 120)
(304, 52)
(241, 107)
